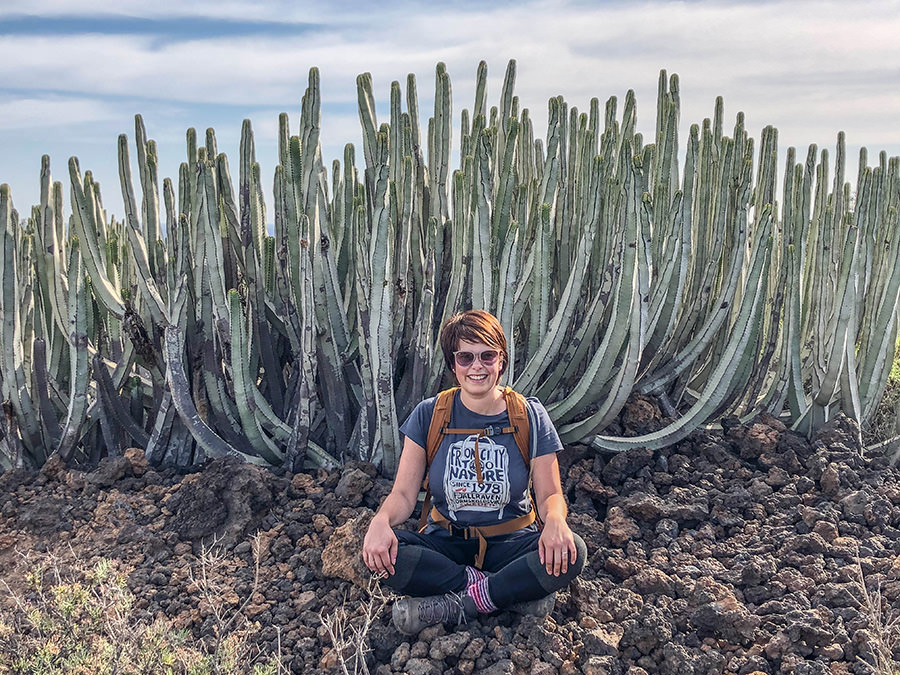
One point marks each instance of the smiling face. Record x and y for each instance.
(477, 380)
(474, 326)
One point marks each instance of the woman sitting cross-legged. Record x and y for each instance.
(481, 549)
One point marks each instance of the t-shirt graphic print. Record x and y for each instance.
(462, 490)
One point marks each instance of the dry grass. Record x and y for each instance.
(83, 622)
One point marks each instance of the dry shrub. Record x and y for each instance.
(83, 621)
(348, 627)
(882, 636)
(884, 425)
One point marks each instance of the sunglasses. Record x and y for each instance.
(465, 359)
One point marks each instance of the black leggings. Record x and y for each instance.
(435, 563)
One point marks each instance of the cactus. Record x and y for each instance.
(15, 380)
(614, 269)
(79, 358)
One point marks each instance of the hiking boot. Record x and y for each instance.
(413, 614)
(540, 607)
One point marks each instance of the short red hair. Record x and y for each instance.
(474, 325)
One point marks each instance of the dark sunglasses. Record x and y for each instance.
(465, 359)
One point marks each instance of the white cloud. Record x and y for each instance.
(44, 113)
(232, 71)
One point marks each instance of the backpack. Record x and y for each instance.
(520, 426)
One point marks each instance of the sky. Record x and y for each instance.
(73, 75)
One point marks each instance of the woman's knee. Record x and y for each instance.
(578, 564)
(551, 582)
(405, 567)
(575, 566)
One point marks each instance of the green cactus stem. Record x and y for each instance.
(79, 357)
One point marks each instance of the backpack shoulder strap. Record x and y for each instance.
(440, 420)
(516, 406)
(520, 413)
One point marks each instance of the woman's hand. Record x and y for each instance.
(557, 546)
(379, 551)
(557, 543)
(380, 547)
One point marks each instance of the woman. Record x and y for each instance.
(478, 483)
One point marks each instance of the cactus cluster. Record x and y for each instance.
(192, 330)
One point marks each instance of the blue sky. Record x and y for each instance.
(72, 76)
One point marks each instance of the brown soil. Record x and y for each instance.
(734, 552)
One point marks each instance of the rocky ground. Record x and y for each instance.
(739, 552)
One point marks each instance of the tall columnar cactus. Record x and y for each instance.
(615, 268)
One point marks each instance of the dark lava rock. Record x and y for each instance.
(224, 502)
(646, 631)
(353, 486)
(626, 464)
(741, 552)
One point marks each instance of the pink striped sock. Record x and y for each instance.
(482, 597)
(474, 575)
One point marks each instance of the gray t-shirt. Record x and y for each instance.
(502, 493)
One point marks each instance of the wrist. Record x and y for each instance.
(555, 517)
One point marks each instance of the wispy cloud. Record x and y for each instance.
(29, 113)
(163, 29)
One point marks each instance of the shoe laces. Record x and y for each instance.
(443, 609)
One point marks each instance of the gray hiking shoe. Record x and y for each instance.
(540, 607)
(413, 614)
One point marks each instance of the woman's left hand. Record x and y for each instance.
(557, 546)
(557, 543)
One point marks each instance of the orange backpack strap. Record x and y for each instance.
(516, 406)
(440, 420)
